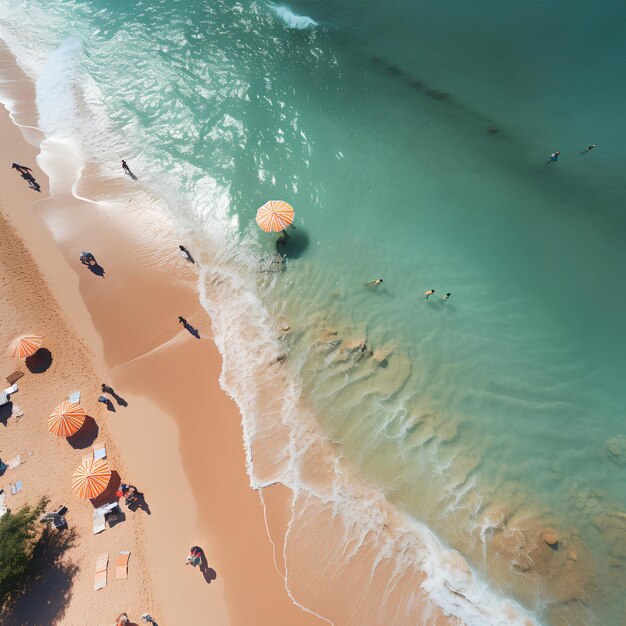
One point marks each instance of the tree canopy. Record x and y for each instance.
(19, 534)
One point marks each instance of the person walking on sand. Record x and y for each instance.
(554, 156)
(428, 293)
(447, 296)
(589, 148)
(182, 320)
(374, 282)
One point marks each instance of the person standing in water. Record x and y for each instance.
(127, 170)
(428, 293)
(374, 282)
(589, 148)
(554, 156)
(186, 253)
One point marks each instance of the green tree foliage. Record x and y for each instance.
(19, 534)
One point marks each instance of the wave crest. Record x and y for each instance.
(293, 20)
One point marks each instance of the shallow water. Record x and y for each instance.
(412, 139)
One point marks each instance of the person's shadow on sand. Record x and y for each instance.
(191, 330)
(96, 269)
(118, 399)
(208, 572)
(140, 503)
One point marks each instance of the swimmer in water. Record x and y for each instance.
(429, 293)
(588, 148)
(446, 297)
(374, 282)
(554, 156)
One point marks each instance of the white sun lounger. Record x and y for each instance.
(99, 450)
(5, 396)
(74, 397)
(99, 523)
(14, 462)
(99, 516)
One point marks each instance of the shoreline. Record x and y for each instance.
(202, 493)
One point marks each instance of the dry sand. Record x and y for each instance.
(179, 438)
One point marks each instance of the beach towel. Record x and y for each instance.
(14, 462)
(98, 523)
(14, 377)
(121, 565)
(100, 580)
(99, 450)
(16, 488)
(74, 397)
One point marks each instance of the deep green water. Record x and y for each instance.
(412, 138)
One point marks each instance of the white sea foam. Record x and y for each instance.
(291, 19)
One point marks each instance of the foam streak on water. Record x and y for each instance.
(410, 432)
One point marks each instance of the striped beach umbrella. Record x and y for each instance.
(91, 478)
(275, 216)
(66, 419)
(25, 346)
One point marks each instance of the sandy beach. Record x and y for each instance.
(178, 438)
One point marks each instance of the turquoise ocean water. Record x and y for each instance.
(412, 138)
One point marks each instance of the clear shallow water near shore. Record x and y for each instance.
(412, 140)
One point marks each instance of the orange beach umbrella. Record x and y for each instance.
(25, 346)
(91, 478)
(275, 216)
(66, 419)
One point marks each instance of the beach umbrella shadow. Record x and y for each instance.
(40, 361)
(6, 410)
(293, 246)
(85, 435)
(108, 495)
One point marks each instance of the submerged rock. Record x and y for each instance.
(550, 537)
(612, 525)
(355, 345)
(615, 449)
